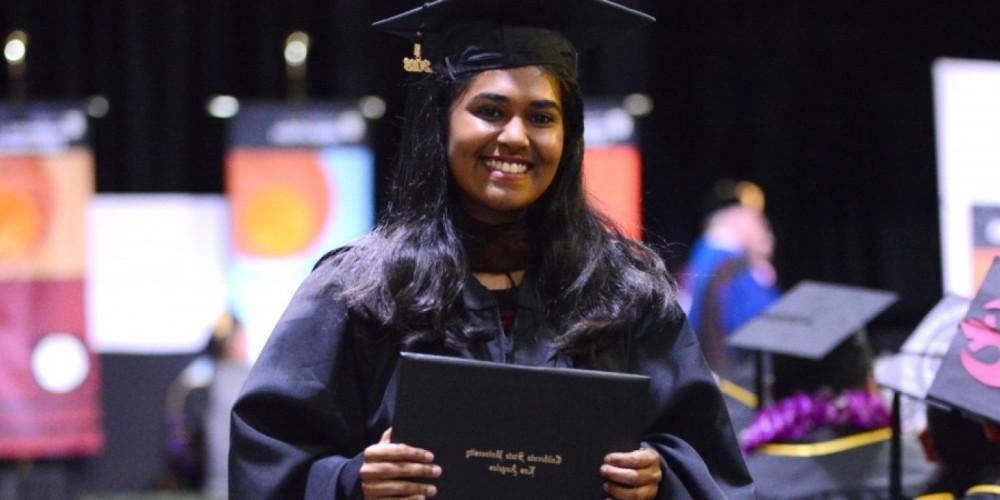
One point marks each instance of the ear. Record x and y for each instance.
(928, 446)
(991, 431)
(870, 385)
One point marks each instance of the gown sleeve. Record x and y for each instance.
(689, 425)
(299, 425)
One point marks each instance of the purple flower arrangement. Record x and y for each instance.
(794, 416)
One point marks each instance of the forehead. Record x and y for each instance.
(530, 83)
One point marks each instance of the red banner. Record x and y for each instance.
(48, 375)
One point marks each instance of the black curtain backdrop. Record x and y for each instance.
(827, 104)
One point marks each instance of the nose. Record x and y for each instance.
(514, 135)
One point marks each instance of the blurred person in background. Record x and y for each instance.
(728, 280)
(827, 433)
(729, 277)
(199, 402)
(968, 452)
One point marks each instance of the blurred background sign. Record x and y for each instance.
(967, 115)
(48, 373)
(156, 267)
(612, 165)
(300, 182)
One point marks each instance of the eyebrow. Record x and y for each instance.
(502, 99)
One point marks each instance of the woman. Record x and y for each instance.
(487, 251)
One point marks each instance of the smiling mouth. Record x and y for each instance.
(505, 166)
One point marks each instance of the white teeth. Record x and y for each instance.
(506, 167)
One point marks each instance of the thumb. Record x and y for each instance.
(386, 436)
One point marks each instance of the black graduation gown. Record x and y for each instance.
(987, 485)
(857, 473)
(984, 485)
(323, 390)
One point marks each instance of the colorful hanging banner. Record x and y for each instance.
(612, 166)
(48, 372)
(300, 182)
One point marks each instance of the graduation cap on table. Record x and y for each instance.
(809, 321)
(467, 36)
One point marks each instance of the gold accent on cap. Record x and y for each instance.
(416, 64)
(935, 496)
(983, 488)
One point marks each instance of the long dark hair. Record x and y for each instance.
(408, 275)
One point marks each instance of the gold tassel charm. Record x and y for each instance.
(416, 64)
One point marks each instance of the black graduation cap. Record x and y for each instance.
(467, 36)
(934, 362)
(969, 376)
(913, 368)
(911, 371)
(812, 319)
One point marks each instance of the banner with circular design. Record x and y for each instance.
(300, 182)
(48, 372)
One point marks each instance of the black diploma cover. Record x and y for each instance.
(506, 431)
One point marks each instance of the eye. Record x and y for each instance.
(542, 119)
(489, 112)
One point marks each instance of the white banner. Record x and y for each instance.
(156, 271)
(967, 116)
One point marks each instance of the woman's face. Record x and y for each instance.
(505, 140)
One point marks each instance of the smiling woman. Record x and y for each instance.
(487, 250)
(506, 141)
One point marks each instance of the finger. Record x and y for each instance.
(389, 452)
(619, 492)
(634, 459)
(627, 477)
(394, 489)
(625, 493)
(386, 436)
(397, 470)
(633, 477)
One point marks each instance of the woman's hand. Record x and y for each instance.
(632, 475)
(389, 467)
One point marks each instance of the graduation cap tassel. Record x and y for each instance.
(896, 451)
(416, 64)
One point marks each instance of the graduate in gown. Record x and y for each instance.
(487, 250)
(968, 452)
(826, 434)
(963, 425)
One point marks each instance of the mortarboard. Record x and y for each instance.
(940, 366)
(969, 376)
(911, 370)
(467, 36)
(812, 319)
(808, 322)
